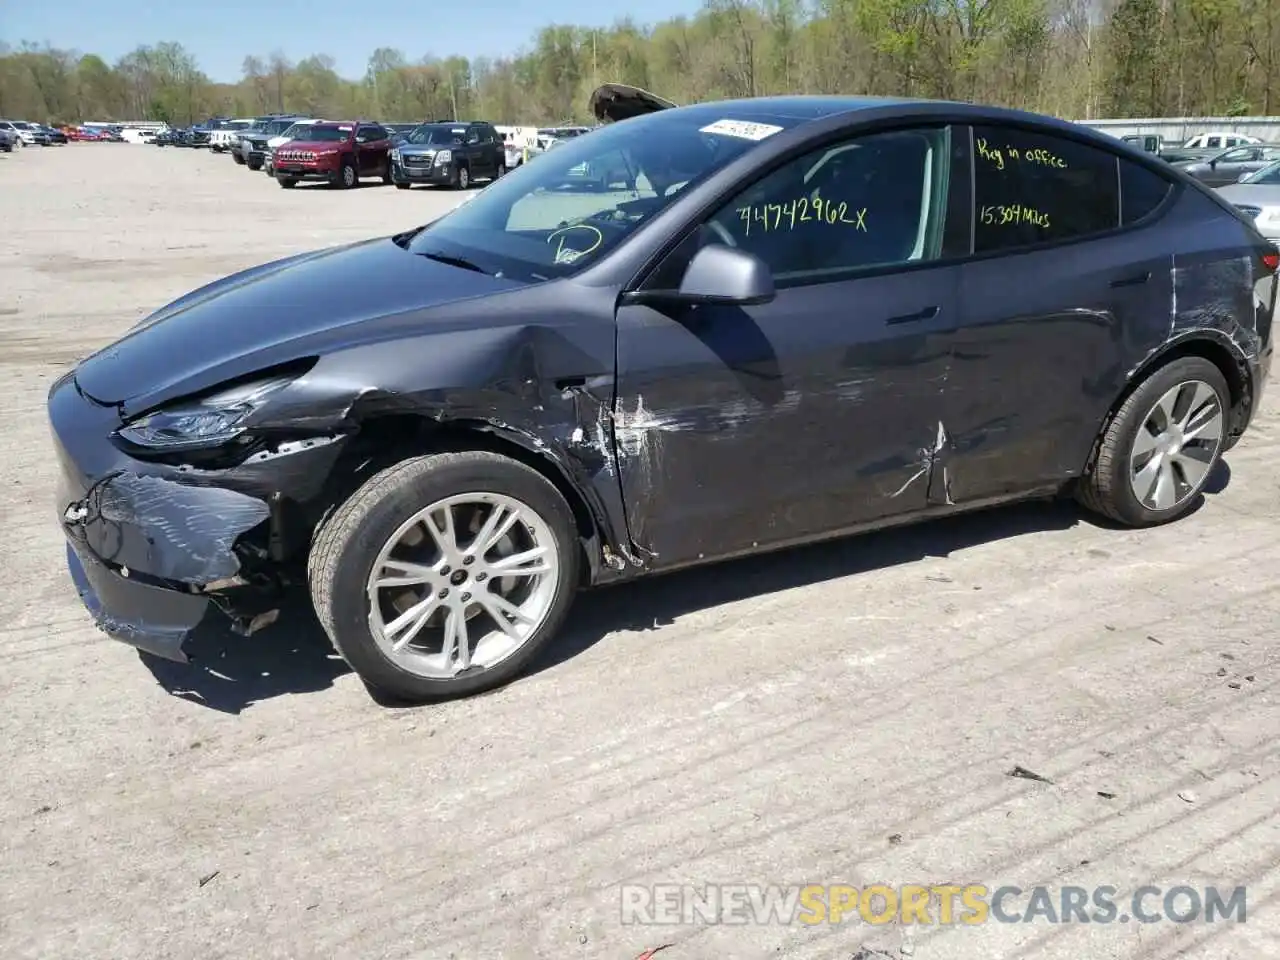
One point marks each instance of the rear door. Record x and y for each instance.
(743, 427)
(1058, 303)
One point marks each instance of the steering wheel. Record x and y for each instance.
(722, 232)
(574, 241)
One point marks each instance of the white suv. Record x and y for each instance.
(228, 136)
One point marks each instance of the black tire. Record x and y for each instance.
(346, 176)
(1106, 488)
(402, 186)
(386, 173)
(254, 163)
(501, 171)
(461, 178)
(287, 182)
(235, 155)
(349, 540)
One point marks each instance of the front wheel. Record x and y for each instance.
(346, 177)
(402, 186)
(235, 156)
(287, 182)
(462, 178)
(444, 575)
(1160, 449)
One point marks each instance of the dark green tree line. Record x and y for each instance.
(1079, 59)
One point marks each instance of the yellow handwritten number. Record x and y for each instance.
(784, 216)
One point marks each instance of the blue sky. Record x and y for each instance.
(221, 32)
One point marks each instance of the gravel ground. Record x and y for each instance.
(842, 714)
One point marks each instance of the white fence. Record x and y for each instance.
(1179, 129)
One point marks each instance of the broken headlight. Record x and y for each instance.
(211, 421)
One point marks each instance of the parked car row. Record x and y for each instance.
(15, 134)
(341, 153)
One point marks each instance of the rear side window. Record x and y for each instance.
(1141, 191)
(1033, 188)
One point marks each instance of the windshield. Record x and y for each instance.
(574, 205)
(436, 135)
(1268, 174)
(327, 134)
(295, 131)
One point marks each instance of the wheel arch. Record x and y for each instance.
(389, 438)
(1211, 345)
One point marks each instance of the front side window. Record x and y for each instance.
(868, 201)
(1032, 188)
(572, 205)
(1240, 155)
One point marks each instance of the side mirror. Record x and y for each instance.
(718, 274)
(723, 274)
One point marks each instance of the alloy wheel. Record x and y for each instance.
(349, 176)
(462, 585)
(1176, 446)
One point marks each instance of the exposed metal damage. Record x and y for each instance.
(933, 467)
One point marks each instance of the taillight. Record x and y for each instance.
(1271, 259)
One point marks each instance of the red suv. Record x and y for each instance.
(339, 153)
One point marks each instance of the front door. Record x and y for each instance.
(371, 148)
(748, 427)
(1055, 308)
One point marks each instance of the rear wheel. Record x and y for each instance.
(444, 575)
(1160, 449)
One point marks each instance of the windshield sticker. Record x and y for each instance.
(742, 128)
(458, 130)
(345, 129)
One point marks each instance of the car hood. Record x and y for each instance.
(1258, 194)
(274, 313)
(611, 102)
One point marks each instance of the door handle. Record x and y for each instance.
(1136, 280)
(928, 313)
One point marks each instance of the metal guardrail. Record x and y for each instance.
(1179, 129)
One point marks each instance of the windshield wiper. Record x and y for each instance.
(462, 262)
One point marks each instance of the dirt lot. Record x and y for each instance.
(842, 714)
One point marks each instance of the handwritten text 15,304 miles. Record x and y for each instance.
(1012, 214)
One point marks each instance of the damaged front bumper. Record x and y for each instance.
(157, 550)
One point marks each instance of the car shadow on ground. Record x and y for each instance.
(230, 673)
